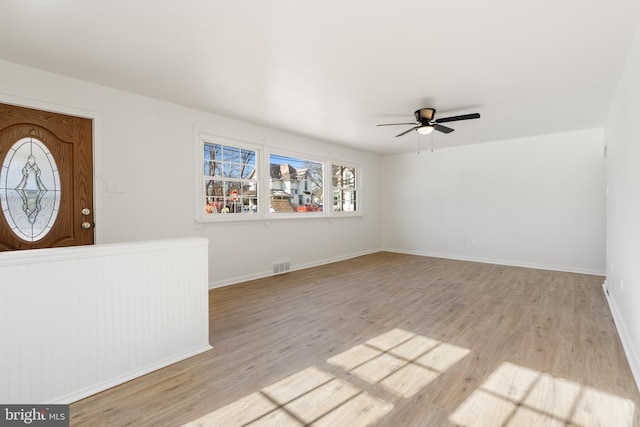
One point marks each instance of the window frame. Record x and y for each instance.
(200, 197)
(263, 182)
(357, 184)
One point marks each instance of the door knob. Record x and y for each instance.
(86, 211)
(86, 225)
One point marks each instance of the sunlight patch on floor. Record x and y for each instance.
(517, 396)
(400, 361)
(308, 397)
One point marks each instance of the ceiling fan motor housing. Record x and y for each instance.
(424, 114)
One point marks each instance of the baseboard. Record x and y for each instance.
(509, 263)
(240, 279)
(627, 344)
(97, 388)
(261, 275)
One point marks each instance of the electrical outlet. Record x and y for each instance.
(621, 284)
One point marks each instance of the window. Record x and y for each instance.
(30, 189)
(238, 180)
(295, 185)
(230, 184)
(344, 184)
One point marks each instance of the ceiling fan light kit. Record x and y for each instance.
(425, 124)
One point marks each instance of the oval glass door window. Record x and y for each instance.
(30, 189)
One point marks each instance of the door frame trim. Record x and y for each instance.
(96, 118)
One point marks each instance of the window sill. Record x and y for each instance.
(248, 218)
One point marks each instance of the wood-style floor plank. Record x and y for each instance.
(393, 340)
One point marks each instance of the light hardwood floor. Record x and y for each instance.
(393, 340)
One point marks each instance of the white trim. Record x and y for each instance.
(510, 263)
(240, 279)
(97, 388)
(96, 117)
(248, 277)
(200, 132)
(94, 251)
(202, 135)
(633, 356)
(359, 181)
(203, 132)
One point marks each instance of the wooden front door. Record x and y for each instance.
(46, 179)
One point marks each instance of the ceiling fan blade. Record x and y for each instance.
(458, 118)
(443, 129)
(407, 131)
(395, 124)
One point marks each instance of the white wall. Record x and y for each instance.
(537, 202)
(622, 137)
(147, 145)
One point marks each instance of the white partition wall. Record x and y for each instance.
(75, 321)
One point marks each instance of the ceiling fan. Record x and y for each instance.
(425, 124)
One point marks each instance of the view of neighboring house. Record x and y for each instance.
(292, 190)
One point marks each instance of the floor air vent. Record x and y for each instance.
(280, 267)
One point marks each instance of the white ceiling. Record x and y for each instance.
(332, 70)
